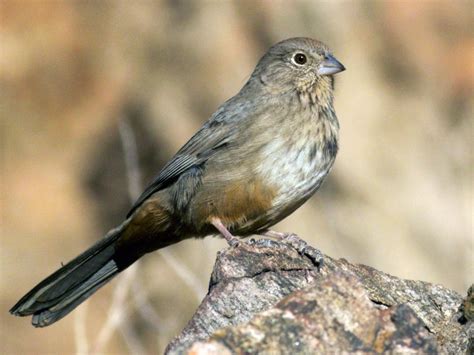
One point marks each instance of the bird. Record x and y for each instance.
(259, 157)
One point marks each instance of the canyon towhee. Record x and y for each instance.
(260, 156)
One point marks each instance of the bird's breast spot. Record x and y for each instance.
(282, 166)
(297, 172)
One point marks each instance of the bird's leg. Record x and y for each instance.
(231, 240)
(299, 244)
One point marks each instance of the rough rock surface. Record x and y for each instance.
(267, 297)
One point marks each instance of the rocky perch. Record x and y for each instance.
(270, 297)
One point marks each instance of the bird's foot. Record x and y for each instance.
(231, 239)
(262, 242)
(300, 245)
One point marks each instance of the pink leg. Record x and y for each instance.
(231, 240)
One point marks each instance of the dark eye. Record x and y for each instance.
(300, 58)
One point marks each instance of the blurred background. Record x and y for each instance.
(96, 96)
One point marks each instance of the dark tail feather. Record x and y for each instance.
(72, 284)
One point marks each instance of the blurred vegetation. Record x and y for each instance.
(399, 198)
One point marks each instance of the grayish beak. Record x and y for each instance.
(330, 66)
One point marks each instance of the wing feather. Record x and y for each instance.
(210, 138)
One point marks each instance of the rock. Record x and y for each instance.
(268, 297)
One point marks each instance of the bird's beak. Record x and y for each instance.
(330, 66)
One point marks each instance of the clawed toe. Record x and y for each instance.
(303, 248)
(264, 242)
(233, 242)
(300, 245)
(314, 255)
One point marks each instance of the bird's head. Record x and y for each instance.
(297, 64)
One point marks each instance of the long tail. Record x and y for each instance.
(64, 290)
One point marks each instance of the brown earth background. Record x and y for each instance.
(80, 79)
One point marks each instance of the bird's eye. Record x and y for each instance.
(300, 58)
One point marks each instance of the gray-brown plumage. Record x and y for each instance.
(261, 155)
